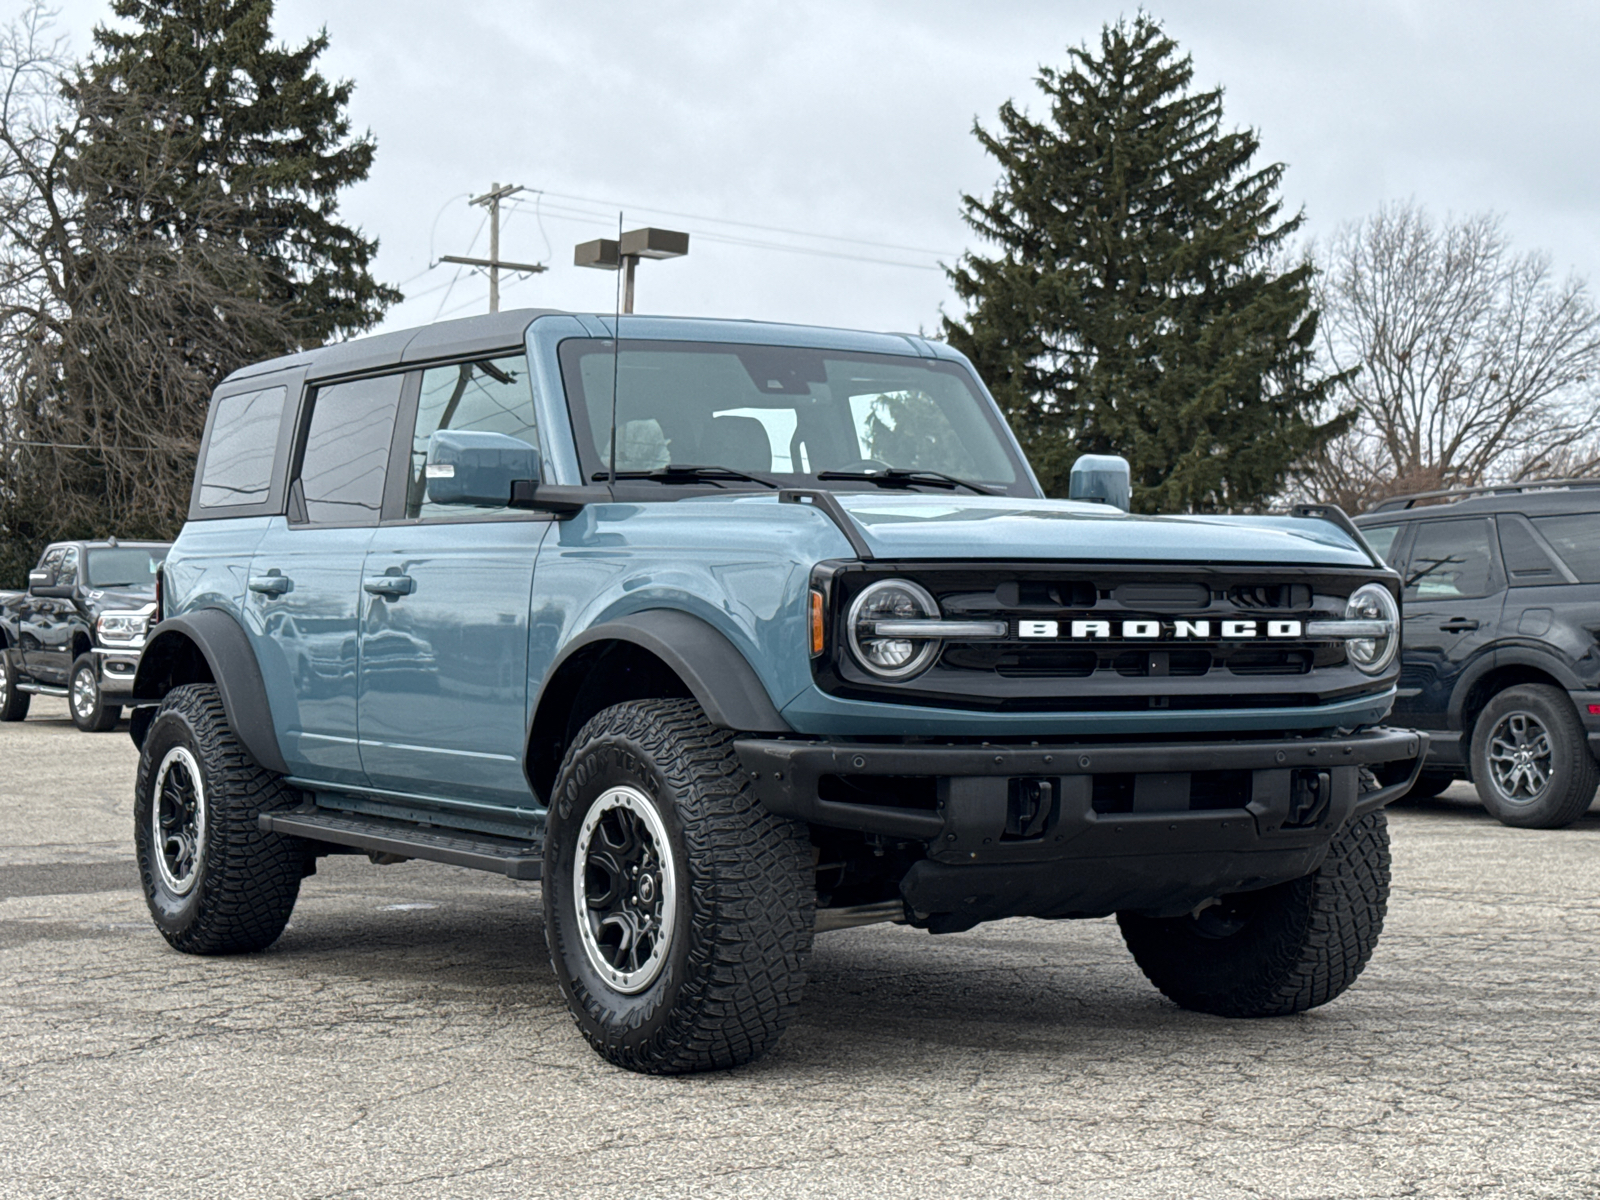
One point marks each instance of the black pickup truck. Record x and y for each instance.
(78, 629)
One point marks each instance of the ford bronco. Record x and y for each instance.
(731, 633)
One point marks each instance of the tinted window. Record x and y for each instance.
(1380, 538)
(1527, 562)
(244, 436)
(1576, 538)
(1450, 559)
(347, 450)
(51, 563)
(126, 566)
(68, 575)
(491, 396)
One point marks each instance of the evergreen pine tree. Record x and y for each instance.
(258, 151)
(1135, 306)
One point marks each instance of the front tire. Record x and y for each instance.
(87, 703)
(679, 911)
(214, 883)
(13, 704)
(1531, 760)
(1281, 950)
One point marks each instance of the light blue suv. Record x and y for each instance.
(732, 633)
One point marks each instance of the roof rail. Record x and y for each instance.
(1400, 503)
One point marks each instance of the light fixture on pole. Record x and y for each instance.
(608, 254)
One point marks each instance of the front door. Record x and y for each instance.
(1455, 588)
(444, 623)
(304, 593)
(48, 628)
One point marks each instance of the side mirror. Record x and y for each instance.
(40, 583)
(468, 467)
(1103, 478)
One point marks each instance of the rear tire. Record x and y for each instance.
(678, 910)
(215, 884)
(1281, 950)
(13, 704)
(86, 702)
(1531, 760)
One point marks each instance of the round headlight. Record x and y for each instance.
(892, 657)
(1373, 602)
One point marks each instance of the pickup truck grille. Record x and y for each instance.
(1106, 670)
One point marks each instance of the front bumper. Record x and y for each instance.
(1153, 827)
(117, 665)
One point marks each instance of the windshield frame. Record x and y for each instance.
(570, 352)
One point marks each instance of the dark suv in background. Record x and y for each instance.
(1500, 661)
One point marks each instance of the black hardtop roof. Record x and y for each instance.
(468, 335)
(1540, 497)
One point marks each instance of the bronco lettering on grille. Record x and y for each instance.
(1150, 630)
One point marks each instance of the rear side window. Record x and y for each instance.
(1576, 538)
(1450, 560)
(347, 450)
(244, 436)
(489, 396)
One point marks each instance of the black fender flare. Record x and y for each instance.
(223, 645)
(1507, 656)
(719, 677)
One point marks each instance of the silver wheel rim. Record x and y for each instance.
(1521, 759)
(83, 694)
(5, 677)
(178, 821)
(626, 889)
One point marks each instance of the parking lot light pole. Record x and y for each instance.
(608, 254)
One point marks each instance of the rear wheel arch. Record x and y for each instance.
(1507, 670)
(658, 654)
(209, 646)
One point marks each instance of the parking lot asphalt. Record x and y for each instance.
(406, 1038)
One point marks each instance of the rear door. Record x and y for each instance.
(444, 621)
(1454, 592)
(304, 592)
(37, 619)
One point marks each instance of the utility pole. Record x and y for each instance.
(491, 200)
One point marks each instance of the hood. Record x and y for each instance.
(917, 525)
(118, 599)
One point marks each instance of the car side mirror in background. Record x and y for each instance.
(468, 467)
(1105, 478)
(38, 580)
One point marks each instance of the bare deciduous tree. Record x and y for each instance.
(1475, 364)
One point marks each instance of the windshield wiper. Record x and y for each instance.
(909, 477)
(685, 473)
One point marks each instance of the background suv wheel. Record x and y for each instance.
(1530, 759)
(13, 704)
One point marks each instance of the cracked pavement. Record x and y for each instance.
(405, 1038)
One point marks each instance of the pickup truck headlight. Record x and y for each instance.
(121, 628)
(892, 657)
(1373, 602)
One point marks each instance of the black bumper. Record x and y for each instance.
(1166, 846)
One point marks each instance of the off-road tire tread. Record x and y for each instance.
(1338, 913)
(753, 900)
(106, 715)
(16, 704)
(1573, 762)
(250, 879)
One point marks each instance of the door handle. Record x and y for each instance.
(1459, 625)
(388, 585)
(271, 585)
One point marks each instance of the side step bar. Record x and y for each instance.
(42, 689)
(504, 856)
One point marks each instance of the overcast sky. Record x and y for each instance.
(852, 119)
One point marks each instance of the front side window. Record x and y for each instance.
(244, 442)
(1450, 560)
(68, 575)
(347, 450)
(782, 411)
(489, 396)
(125, 567)
(50, 564)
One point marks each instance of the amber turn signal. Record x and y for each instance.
(818, 643)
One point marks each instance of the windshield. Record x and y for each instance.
(782, 411)
(125, 567)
